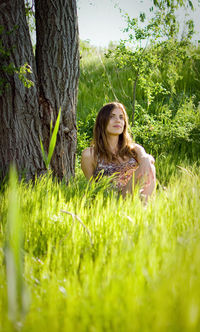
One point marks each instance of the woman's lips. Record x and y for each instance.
(117, 126)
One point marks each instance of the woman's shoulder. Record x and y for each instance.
(132, 146)
(88, 155)
(88, 152)
(88, 163)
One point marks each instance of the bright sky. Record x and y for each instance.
(100, 22)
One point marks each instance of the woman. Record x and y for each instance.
(113, 152)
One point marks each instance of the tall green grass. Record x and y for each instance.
(118, 266)
(88, 260)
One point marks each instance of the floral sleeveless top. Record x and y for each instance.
(123, 171)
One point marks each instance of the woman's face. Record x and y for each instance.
(116, 122)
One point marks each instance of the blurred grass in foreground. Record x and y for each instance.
(139, 271)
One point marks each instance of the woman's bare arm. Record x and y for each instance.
(141, 153)
(88, 162)
(145, 160)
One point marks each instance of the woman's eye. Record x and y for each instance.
(112, 116)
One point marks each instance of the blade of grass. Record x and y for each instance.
(18, 301)
(53, 138)
(44, 156)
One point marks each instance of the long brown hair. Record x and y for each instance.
(100, 143)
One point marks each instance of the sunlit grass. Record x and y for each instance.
(89, 260)
(139, 271)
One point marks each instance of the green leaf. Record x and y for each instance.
(51, 126)
(44, 156)
(53, 138)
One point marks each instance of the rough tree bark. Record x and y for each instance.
(20, 125)
(57, 59)
(25, 114)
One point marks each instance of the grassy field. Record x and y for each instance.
(81, 258)
(108, 264)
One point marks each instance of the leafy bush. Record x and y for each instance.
(171, 122)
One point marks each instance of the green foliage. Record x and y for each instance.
(170, 121)
(151, 49)
(167, 19)
(84, 137)
(173, 4)
(139, 262)
(22, 72)
(8, 68)
(170, 133)
(87, 51)
(30, 14)
(52, 144)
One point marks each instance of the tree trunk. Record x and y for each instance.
(25, 113)
(57, 59)
(20, 125)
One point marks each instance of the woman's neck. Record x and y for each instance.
(113, 143)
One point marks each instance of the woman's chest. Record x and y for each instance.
(123, 170)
